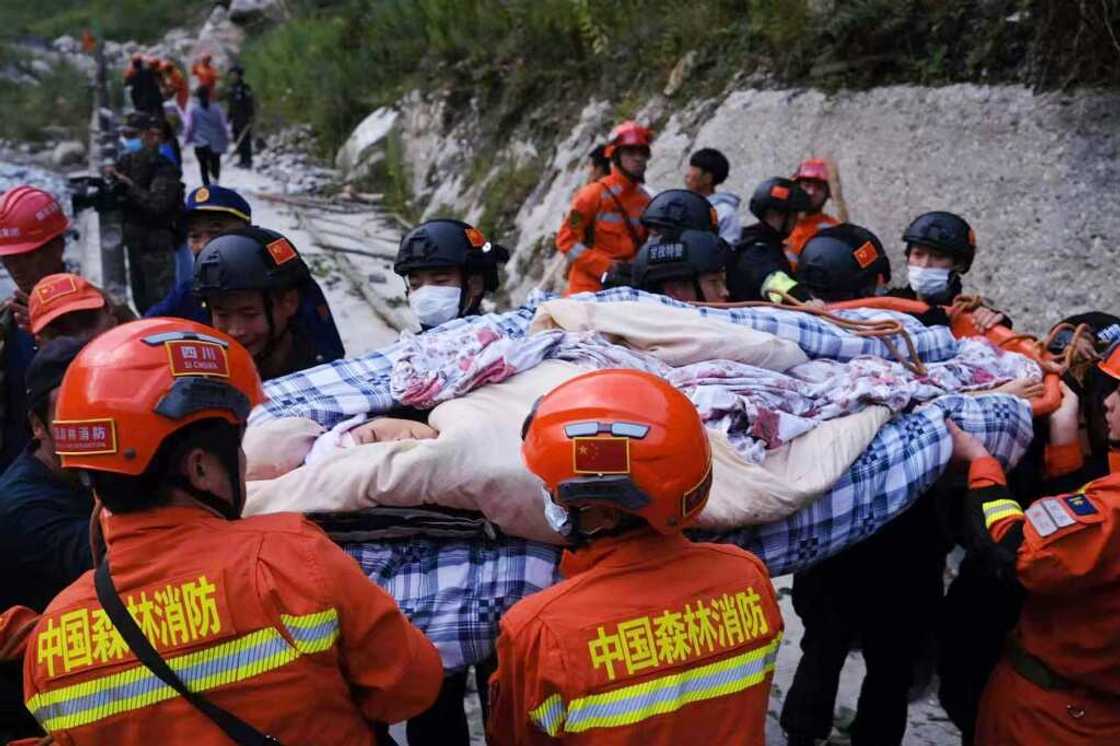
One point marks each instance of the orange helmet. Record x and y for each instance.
(814, 169)
(628, 133)
(135, 385)
(29, 218)
(624, 438)
(58, 295)
(1111, 364)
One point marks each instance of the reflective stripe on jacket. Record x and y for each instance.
(265, 615)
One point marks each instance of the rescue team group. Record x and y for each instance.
(169, 619)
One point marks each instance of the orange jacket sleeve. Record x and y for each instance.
(573, 237)
(1074, 558)
(530, 669)
(1063, 459)
(393, 670)
(15, 627)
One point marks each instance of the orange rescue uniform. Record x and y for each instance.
(206, 74)
(595, 234)
(807, 227)
(1059, 680)
(265, 616)
(174, 80)
(650, 640)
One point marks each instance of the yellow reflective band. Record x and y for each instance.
(216, 666)
(776, 283)
(633, 704)
(312, 633)
(549, 717)
(997, 510)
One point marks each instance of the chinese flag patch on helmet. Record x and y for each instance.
(50, 291)
(865, 255)
(779, 192)
(474, 235)
(281, 251)
(601, 455)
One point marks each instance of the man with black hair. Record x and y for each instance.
(234, 626)
(598, 164)
(760, 269)
(707, 169)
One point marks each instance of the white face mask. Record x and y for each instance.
(435, 304)
(929, 282)
(557, 517)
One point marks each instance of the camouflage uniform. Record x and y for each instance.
(151, 210)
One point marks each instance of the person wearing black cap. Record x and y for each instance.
(760, 266)
(253, 282)
(690, 268)
(242, 108)
(44, 522)
(153, 196)
(209, 212)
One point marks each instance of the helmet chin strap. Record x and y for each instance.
(228, 509)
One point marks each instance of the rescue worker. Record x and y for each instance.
(44, 526)
(689, 269)
(254, 282)
(676, 210)
(66, 305)
(759, 266)
(448, 267)
(32, 240)
(844, 262)
(1058, 682)
(707, 169)
(152, 197)
(175, 84)
(893, 617)
(143, 87)
(650, 639)
(270, 627)
(205, 73)
(598, 164)
(242, 110)
(603, 227)
(208, 213)
(940, 249)
(812, 176)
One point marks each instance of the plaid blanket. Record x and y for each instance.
(456, 591)
(335, 391)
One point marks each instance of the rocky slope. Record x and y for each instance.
(1036, 175)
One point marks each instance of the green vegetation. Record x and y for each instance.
(504, 195)
(520, 59)
(61, 102)
(392, 178)
(119, 20)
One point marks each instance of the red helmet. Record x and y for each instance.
(58, 295)
(137, 384)
(814, 169)
(623, 438)
(626, 134)
(29, 218)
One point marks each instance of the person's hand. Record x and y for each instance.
(966, 448)
(20, 314)
(389, 429)
(1024, 388)
(986, 318)
(1065, 421)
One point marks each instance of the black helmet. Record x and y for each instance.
(249, 258)
(778, 194)
(692, 254)
(450, 243)
(945, 232)
(675, 210)
(843, 262)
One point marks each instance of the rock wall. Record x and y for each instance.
(1036, 175)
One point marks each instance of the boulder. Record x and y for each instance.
(68, 153)
(363, 148)
(247, 11)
